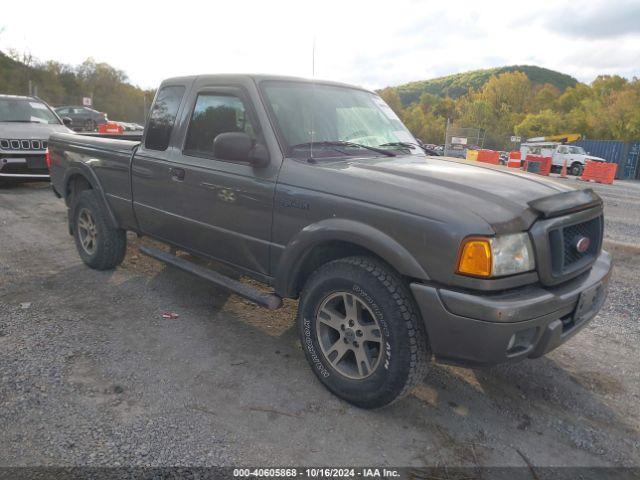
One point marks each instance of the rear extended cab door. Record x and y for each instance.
(216, 208)
(560, 155)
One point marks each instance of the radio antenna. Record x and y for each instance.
(313, 86)
(313, 58)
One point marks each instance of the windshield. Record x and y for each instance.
(306, 113)
(578, 150)
(24, 110)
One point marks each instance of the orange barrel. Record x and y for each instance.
(515, 159)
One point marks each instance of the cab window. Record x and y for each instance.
(215, 114)
(162, 117)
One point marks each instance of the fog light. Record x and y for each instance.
(522, 340)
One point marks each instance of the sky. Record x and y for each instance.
(368, 43)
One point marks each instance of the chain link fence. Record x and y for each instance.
(459, 139)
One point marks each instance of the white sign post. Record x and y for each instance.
(515, 139)
(87, 102)
(458, 141)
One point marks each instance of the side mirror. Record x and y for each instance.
(67, 121)
(240, 147)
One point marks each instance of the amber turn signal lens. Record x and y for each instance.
(475, 258)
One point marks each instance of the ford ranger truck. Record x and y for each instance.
(25, 126)
(317, 190)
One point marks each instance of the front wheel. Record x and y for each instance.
(361, 332)
(100, 245)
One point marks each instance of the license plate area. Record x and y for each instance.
(36, 163)
(590, 300)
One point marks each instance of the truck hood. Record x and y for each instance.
(439, 187)
(31, 131)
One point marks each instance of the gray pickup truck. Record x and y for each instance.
(317, 190)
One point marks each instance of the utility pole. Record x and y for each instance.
(446, 134)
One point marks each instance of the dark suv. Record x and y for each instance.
(84, 118)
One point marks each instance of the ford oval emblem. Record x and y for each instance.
(582, 245)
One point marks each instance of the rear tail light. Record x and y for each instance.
(47, 158)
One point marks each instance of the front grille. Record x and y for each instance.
(563, 242)
(22, 144)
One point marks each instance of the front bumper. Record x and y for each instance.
(527, 322)
(23, 166)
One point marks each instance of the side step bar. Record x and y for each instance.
(268, 300)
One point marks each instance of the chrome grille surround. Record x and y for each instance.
(554, 242)
(22, 144)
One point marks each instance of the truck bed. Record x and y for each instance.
(106, 160)
(102, 143)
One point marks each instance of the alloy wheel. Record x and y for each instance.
(87, 231)
(349, 335)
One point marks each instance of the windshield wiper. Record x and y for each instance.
(410, 145)
(342, 143)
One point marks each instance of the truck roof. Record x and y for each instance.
(259, 77)
(19, 97)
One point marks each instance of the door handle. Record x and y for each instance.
(177, 173)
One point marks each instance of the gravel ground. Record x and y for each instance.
(622, 208)
(91, 374)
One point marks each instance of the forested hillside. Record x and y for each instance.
(60, 84)
(514, 103)
(459, 84)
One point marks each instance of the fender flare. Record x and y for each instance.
(89, 175)
(349, 231)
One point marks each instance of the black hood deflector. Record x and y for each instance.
(565, 203)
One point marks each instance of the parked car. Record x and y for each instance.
(129, 127)
(84, 118)
(25, 126)
(307, 187)
(574, 156)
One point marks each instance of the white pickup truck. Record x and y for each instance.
(576, 157)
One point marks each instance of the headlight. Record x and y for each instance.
(496, 256)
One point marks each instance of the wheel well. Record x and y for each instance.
(325, 253)
(76, 184)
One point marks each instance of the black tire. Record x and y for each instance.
(577, 169)
(90, 125)
(110, 243)
(403, 352)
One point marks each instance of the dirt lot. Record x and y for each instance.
(91, 374)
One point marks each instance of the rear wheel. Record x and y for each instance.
(100, 245)
(361, 332)
(90, 125)
(576, 169)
